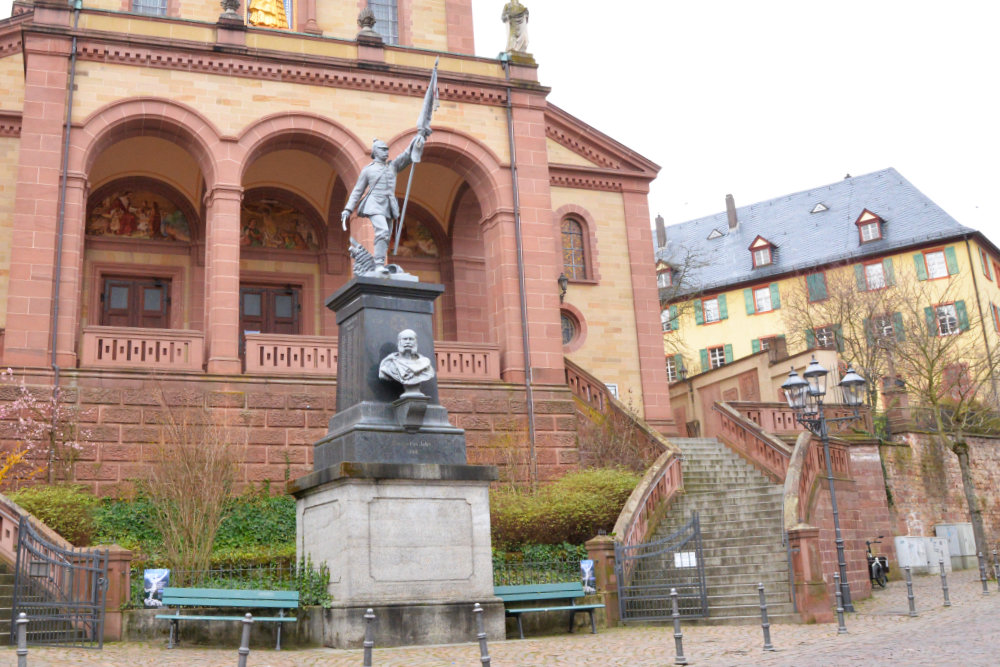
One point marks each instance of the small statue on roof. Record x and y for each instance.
(515, 15)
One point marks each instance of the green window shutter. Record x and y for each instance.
(699, 314)
(897, 326)
(838, 337)
(675, 319)
(918, 264)
(951, 260)
(931, 318)
(859, 276)
(703, 353)
(817, 286)
(963, 315)
(678, 365)
(810, 339)
(729, 353)
(755, 345)
(866, 324)
(775, 296)
(723, 312)
(890, 276)
(748, 299)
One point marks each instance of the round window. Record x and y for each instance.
(569, 329)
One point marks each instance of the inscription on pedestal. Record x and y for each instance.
(420, 539)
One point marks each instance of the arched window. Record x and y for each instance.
(574, 257)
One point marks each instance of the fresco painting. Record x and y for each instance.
(138, 214)
(273, 224)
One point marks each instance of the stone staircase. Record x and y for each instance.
(741, 527)
(6, 601)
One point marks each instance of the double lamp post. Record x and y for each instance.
(805, 397)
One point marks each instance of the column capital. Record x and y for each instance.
(229, 191)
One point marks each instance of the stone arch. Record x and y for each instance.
(469, 158)
(310, 133)
(157, 117)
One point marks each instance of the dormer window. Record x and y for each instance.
(869, 226)
(819, 208)
(761, 249)
(665, 277)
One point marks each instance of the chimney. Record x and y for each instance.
(661, 233)
(731, 212)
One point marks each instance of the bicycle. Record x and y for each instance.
(878, 566)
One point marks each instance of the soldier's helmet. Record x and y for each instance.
(378, 143)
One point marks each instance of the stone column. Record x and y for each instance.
(119, 590)
(36, 195)
(71, 274)
(222, 278)
(812, 597)
(646, 305)
(601, 550)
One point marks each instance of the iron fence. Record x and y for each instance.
(268, 576)
(520, 573)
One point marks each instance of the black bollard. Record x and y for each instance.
(764, 624)
(944, 584)
(22, 639)
(369, 637)
(244, 649)
(678, 635)
(841, 628)
(484, 653)
(909, 591)
(982, 574)
(996, 568)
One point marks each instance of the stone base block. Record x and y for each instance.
(412, 624)
(400, 536)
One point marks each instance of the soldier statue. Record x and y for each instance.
(374, 195)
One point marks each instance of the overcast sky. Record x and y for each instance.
(765, 98)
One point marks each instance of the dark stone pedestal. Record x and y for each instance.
(371, 425)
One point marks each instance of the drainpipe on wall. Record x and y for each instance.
(982, 320)
(60, 224)
(533, 460)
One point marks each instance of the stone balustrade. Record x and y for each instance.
(149, 349)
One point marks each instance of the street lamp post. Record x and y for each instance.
(805, 397)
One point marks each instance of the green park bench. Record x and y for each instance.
(541, 593)
(215, 598)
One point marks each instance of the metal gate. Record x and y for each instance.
(62, 591)
(646, 573)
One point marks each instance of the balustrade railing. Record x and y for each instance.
(152, 349)
(747, 435)
(649, 500)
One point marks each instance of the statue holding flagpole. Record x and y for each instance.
(374, 195)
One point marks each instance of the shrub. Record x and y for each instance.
(257, 518)
(572, 509)
(68, 510)
(129, 523)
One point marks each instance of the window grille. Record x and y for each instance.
(386, 19)
(574, 261)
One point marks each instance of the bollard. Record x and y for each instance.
(996, 568)
(22, 639)
(484, 652)
(909, 591)
(369, 637)
(245, 641)
(982, 574)
(678, 635)
(765, 626)
(944, 584)
(841, 628)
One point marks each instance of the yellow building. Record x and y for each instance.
(839, 264)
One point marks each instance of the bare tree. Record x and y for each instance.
(948, 371)
(192, 478)
(675, 297)
(861, 323)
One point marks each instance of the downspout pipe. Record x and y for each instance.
(982, 319)
(61, 223)
(533, 460)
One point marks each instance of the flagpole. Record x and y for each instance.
(424, 129)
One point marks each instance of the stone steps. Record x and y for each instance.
(740, 512)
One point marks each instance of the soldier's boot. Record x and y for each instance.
(381, 249)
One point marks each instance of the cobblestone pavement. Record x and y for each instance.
(879, 633)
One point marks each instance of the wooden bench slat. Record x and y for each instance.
(192, 617)
(569, 607)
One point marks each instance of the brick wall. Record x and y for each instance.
(926, 485)
(121, 415)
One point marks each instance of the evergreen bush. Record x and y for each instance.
(67, 509)
(572, 509)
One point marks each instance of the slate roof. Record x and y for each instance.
(804, 239)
